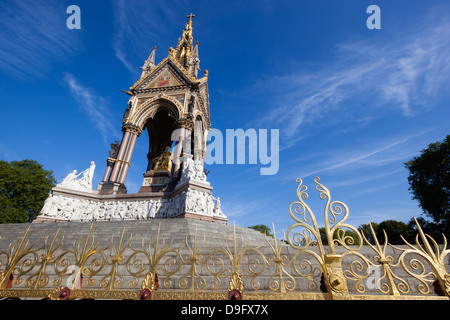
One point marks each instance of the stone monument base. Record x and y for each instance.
(191, 199)
(161, 196)
(111, 188)
(155, 181)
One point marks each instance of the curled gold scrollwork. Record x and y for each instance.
(40, 278)
(428, 254)
(335, 231)
(82, 251)
(146, 260)
(171, 267)
(216, 266)
(307, 269)
(19, 260)
(280, 279)
(197, 281)
(113, 279)
(256, 266)
(306, 223)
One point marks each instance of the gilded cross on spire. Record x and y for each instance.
(189, 23)
(184, 46)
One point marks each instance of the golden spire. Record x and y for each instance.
(190, 20)
(184, 46)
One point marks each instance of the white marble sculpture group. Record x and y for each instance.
(75, 209)
(83, 184)
(66, 207)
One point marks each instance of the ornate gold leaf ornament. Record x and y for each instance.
(235, 287)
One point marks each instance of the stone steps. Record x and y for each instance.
(202, 237)
(175, 229)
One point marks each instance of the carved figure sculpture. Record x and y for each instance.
(114, 149)
(164, 161)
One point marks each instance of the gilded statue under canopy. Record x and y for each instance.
(164, 161)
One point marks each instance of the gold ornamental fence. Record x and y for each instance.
(303, 265)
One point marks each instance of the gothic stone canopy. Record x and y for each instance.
(169, 100)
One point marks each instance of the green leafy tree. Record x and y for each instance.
(262, 228)
(348, 235)
(24, 187)
(394, 229)
(429, 180)
(365, 228)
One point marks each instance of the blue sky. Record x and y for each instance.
(352, 104)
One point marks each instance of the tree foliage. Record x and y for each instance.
(429, 180)
(365, 228)
(395, 230)
(24, 187)
(348, 234)
(262, 228)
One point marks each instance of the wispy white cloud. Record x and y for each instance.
(383, 212)
(94, 105)
(378, 188)
(404, 73)
(34, 36)
(135, 27)
(245, 210)
(363, 179)
(387, 152)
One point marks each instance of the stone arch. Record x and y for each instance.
(159, 128)
(151, 107)
(158, 115)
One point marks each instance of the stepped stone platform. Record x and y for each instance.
(189, 237)
(202, 255)
(169, 229)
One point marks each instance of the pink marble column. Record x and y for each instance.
(120, 155)
(126, 163)
(108, 170)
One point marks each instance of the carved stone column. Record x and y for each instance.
(126, 163)
(109, 165)
(120, 155)
(133, 132)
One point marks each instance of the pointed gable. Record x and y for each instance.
(166, 74)
(165, 78)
